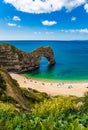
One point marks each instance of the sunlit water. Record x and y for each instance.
(71, 59)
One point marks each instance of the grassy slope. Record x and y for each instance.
(57, 113)
(12, 93)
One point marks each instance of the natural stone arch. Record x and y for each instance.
(46, 52)
(43, 61)
(17, 60)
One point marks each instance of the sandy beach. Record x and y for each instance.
(52, 88)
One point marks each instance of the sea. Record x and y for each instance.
(71, 59)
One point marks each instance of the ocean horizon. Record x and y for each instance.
(71, 59)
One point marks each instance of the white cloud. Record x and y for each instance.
(49, 23)
(85, 30)
(86, 7)
(73, 19)
(44, 6)
(37, 33)
(11, 24)
(16, 18)
(49, 32)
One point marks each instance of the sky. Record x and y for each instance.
(43, 19)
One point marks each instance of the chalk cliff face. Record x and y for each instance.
(16, 60)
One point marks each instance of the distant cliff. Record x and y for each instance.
(15, 60)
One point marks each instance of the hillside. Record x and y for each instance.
(12, 93)
(9, 88)
(22, 109)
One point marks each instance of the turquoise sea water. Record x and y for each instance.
(71, 59)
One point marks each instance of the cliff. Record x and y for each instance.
(10, 90)
(21, 98)
(15, 60)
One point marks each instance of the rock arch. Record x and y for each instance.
(17, 60)
(46, 52)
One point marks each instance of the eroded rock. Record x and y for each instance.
(15, 60)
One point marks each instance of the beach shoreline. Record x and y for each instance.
(55, 80)
(52, 88)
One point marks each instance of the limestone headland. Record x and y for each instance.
(15, 60)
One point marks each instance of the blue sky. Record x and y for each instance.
(43, 20)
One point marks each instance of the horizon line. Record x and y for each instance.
(41, 40)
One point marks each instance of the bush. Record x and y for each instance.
(85, 102)
(61, 113)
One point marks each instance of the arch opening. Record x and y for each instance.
(44, 64)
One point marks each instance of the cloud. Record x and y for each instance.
(73, 19)
(86, 7)
(49, 23)
(11, 24)
(85, 31)
(37, 33)
(49, 32)
(44, 6)
(16, 18)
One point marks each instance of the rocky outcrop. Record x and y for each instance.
(15, 60)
